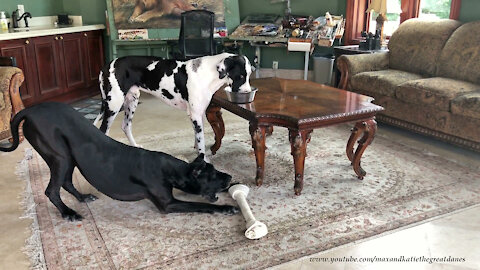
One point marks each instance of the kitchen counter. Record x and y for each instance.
(46, 30)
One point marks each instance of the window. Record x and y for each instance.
(393, 18)
(435, 9)
(357, 20)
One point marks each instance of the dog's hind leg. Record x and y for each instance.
(108, 118)
(54, 150)
(111, 109)
(130, 105)
(104, 103)
(59, 168)
(112, 97)
(68, 186)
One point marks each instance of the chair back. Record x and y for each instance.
(196, 34)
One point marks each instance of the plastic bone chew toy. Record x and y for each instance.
(255, 228)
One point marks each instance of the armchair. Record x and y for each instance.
(10, 101)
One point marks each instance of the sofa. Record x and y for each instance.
(11, 79)
(428, 81)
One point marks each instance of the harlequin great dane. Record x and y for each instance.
(187, 85)
(65, 140)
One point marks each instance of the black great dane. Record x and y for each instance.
(65, 140)
(186, 85)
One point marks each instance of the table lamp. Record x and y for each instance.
(380, 7)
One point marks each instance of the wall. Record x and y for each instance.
(35, 7)
(470, 11)
(92, 11)
(315, 8)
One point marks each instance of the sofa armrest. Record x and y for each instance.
(11, 78)
(350, 65)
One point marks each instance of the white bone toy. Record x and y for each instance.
(255, 228)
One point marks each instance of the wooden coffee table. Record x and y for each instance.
(300, 106)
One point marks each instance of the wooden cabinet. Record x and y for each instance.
(95, 57)
(71, 48)
(62, 67)
(22, 50)
(48, 66)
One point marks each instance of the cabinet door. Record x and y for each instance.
(95, 58)
(48, 66)
(73, 55)
(22, 50)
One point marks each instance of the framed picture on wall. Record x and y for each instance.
(135, 14)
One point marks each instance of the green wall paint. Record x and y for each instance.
(35, 7)
(92, 11)
(470, 11)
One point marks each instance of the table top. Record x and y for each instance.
(300, 104)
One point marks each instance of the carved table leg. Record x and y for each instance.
(258, 134)
(368, 129)
(214, 117)
(298, 144)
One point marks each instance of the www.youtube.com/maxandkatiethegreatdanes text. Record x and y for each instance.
(399, 259)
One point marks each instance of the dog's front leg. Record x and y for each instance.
(139, 7)
(176, 206)
(197, 122)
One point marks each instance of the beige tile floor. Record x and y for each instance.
(456, 235)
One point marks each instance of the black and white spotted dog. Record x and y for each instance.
(187, 85)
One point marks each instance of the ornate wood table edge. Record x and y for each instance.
(260, 126)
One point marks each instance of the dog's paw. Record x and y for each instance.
(139, 19)
(230, 210)
(88, 198)
(72, 216)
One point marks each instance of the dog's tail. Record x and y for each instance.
(14, 129)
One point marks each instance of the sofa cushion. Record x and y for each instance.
(460, 58)
(467, 104)
(416, 45)
(382, 82)
(437, 91)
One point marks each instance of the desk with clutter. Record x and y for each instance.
(296, 33)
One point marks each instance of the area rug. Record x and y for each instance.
(403, 186)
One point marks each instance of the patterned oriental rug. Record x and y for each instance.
(403, 186)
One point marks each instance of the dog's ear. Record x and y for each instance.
(222, 69)
(198, 165)
(200, 158)
(248, 63)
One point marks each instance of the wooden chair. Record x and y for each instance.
(11, 78)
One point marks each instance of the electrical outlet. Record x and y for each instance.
(275, 65)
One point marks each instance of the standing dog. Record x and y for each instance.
(187, 85)
(65, 140)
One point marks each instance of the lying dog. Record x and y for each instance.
(65, 140)
(187, 85)
(147, 9)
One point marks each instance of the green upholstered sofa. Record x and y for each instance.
(428, 81)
